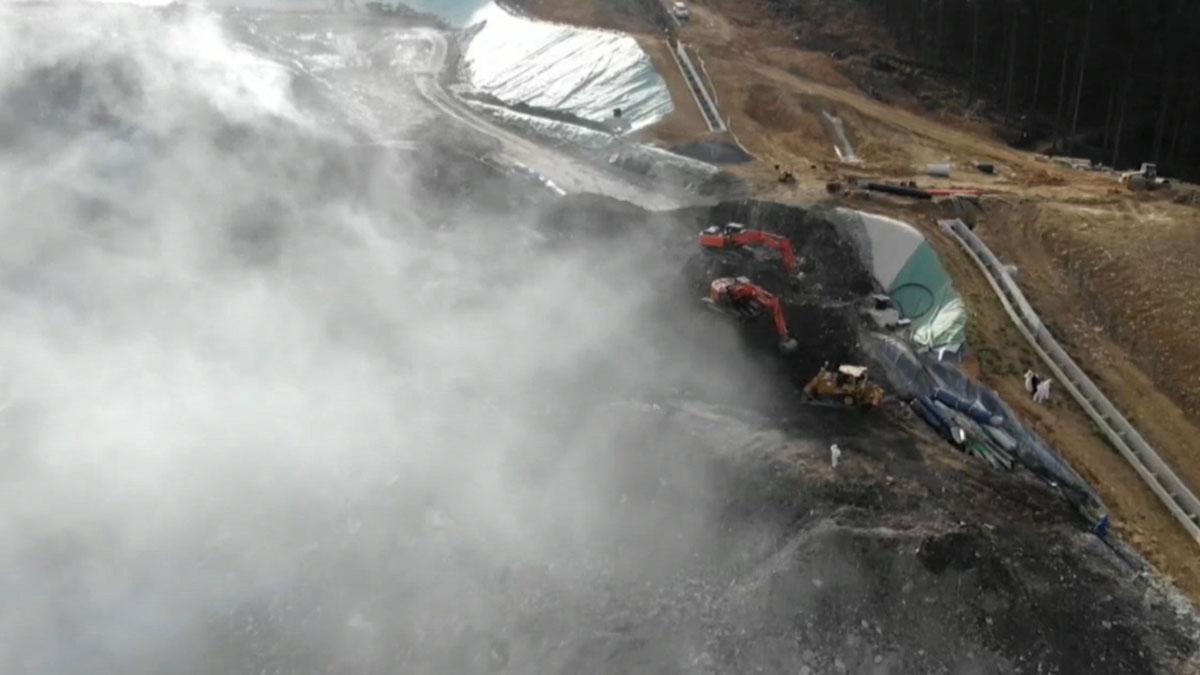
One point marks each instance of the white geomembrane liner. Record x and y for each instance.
(892, 242)
(584, 72)
(909, 270)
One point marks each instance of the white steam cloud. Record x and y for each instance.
(260, 415)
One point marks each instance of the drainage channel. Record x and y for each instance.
(841, 142)
(1165, 484)
(700, 93)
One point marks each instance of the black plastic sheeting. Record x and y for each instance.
(901, 190)
(713, 152)
(914, 375)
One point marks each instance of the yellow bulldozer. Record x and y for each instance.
(848, 385)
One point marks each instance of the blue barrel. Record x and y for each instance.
(1001, 438)
(974, 409)
(926, 411)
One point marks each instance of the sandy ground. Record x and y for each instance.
(1114, 274)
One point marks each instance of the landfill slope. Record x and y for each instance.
(1090, 254)
(306, 373)
(907, 557)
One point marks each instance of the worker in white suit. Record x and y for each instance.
(1042, 393)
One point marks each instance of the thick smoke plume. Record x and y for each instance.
(268, 406)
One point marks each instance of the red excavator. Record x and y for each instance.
(748, 301)
(734, 236)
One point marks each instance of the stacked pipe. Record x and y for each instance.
(969, 426)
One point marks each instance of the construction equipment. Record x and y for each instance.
(735, 236)
(847, 384)
(1145, 179)
(747, 300)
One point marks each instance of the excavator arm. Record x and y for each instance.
(740, 292)
(732, 236)
(771, 241)
(744, 292)
(772, 304)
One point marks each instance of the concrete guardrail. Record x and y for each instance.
(700, 93)
(1165, 484)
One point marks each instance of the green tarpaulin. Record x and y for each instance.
(924, 293)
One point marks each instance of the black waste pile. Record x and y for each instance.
(851, 566)
(821, 305)
(294, 387)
